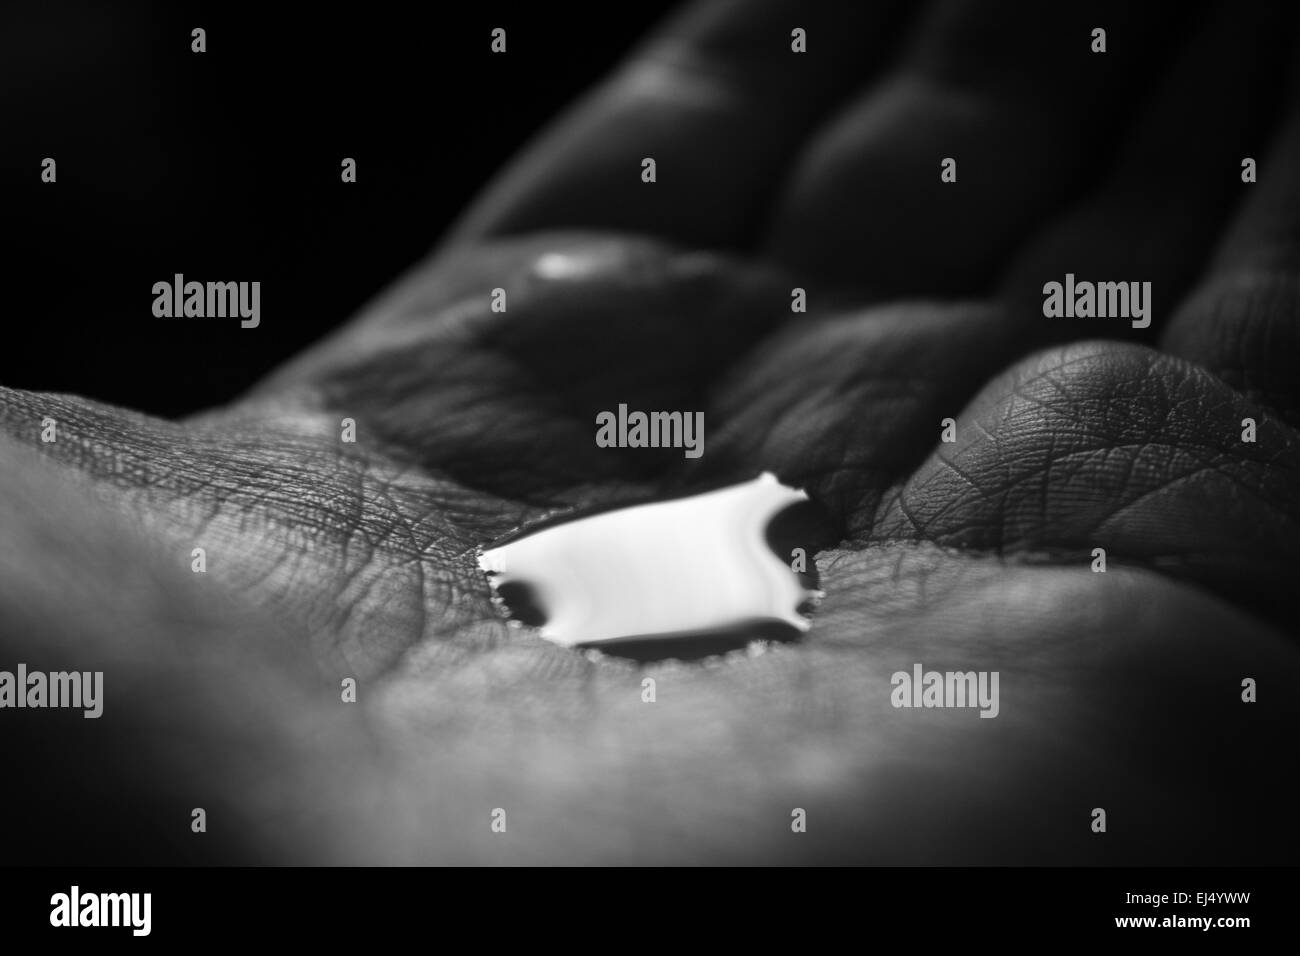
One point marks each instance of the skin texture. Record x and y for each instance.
(329, 560)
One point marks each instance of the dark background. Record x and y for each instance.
(225, 166)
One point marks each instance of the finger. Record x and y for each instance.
(506, 401)
(1010, 91)
(1115, 446)
(1243, 321)
(1156, 216)
(718, 99)
(843, 407)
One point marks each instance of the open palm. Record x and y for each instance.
(329, 559)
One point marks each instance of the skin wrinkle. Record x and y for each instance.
(168, 629)
(1052, 462)
(993, 533)
(408, 527)
(1053, 383)
(224, 492)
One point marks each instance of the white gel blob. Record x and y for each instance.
(662, 569)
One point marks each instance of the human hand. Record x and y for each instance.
(1120, 690)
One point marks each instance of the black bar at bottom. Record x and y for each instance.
(440, 908)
